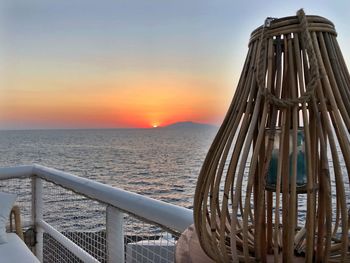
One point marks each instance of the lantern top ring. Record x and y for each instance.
(291, 24)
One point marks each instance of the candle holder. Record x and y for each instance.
(293, 92)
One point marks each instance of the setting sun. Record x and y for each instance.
(155, 125)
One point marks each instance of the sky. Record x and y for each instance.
(128, 63)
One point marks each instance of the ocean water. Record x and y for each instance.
(160, 163)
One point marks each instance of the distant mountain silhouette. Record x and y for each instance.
(188, 125)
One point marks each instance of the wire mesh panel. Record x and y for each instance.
(55, 252)
(80, 219)
(148, 243)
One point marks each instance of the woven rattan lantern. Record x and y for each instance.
(294, 91)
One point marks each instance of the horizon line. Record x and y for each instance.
(104, 128)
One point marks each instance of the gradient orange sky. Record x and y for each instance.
(81, 64)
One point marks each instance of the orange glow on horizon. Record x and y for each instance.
(128, 101)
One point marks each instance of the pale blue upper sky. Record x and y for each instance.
(77, 37)
(155, 28)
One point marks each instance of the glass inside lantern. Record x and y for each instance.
(271, 178)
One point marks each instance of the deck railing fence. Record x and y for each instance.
(79, 220)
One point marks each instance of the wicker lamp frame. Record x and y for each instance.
(294, 78)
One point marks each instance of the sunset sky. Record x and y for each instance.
(115, 64)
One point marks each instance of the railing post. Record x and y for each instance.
(37, 215)
(115, 235)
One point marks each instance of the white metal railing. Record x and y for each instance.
(117, 202)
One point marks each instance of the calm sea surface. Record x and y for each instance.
(159, 163)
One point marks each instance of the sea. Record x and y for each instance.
(162, 163)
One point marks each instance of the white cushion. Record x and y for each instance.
(15, 250)
(6, 203)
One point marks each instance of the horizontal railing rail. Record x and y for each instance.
(165, 214)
